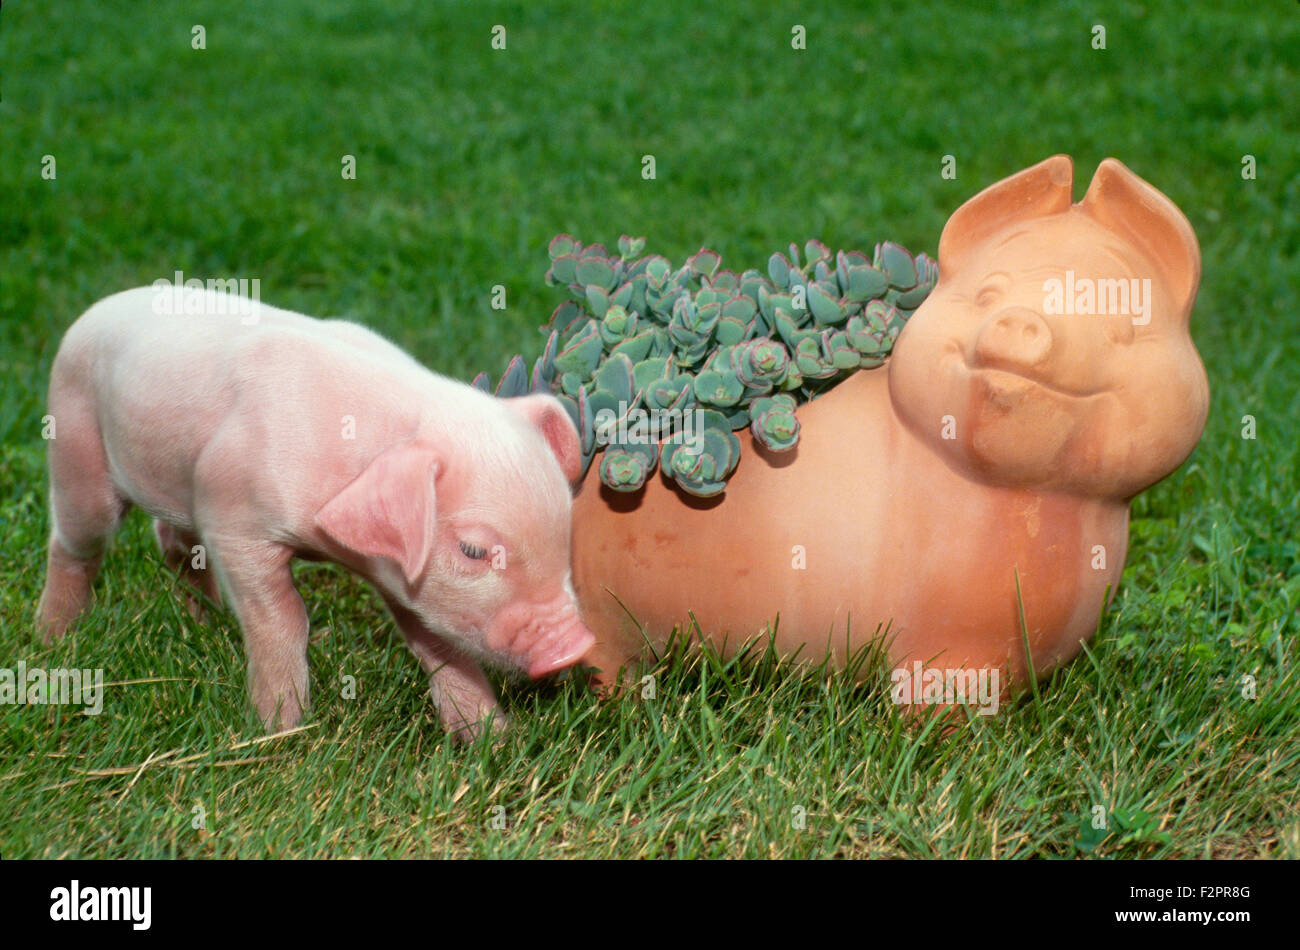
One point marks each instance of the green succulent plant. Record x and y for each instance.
(773, 422)
(661, 366)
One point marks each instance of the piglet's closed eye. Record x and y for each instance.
(388, 510)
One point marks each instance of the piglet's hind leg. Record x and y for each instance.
(84, 507)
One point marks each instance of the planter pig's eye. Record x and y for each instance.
(992, 288)
(473, 551)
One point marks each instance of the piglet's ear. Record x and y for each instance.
(1119, 200)
(1042, 189)
(549, 418)
(388, 510)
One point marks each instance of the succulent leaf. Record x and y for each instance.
(701, 467)
(718, 388)
(807, 356)
(514, 381)
(561, 245)
(570, 384)
(594, 269)
(725, 280)
(624, 471)
(911, 299)
(564, 268)
(606, 410)
(865, 282)
(547, 359)
(636, 347)
(897, 263)
(636, 303)
(704, 262)
(740, 307)
(660, 344)
(842, 354)
(786, 328)
(667, 393)
(647, 371)
(616, 325)
(597, 300)
(537, 382)
(824, 306)
(761, 362)
(615, 376)
(774, 423)
(862, 337)
(630, 247)
(927, 270)
(815, 251)
(730, 331)
(622, 297)
(657, 270)
(564, 318)
(586, 424)
(582, 354)
(750, 283)
(778, 268)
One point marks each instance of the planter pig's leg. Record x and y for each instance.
(85, 509)
(259, 588)
(178, 550)
(459, 688)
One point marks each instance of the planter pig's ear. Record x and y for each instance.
(387, 510)
(1042, 189)
(548, 416)
(1123, 203)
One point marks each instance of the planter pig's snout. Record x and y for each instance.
(1015, 339)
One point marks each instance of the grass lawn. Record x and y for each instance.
(226, 162)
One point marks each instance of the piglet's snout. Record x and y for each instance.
(542, 638)
(1014, 339)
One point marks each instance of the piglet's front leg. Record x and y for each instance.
(259, 585)
(459, 688)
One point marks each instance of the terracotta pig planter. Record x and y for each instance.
(1019, 415)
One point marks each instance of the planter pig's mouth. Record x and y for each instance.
(1008, 377)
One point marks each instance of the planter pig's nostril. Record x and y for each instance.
(1018, 337)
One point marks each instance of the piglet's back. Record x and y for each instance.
(178, 378)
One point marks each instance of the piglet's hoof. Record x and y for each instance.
(465, 733)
